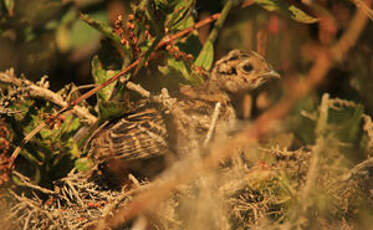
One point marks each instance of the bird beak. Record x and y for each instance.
(271, 74)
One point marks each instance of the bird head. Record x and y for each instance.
(240, 70)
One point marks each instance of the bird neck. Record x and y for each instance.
(214, 92)
(209, 92)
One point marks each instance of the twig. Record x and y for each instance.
(368, 163)
(80, 87)
(164, 98)
(40, 92)
(215, 116)
(27, 220)
(368, 128)
(26, 140)
(138, 89)
(26, 182)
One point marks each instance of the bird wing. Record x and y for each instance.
(137, 136)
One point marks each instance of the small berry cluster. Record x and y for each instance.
(200, 70)
(177, 53)
(128, 35)
(54, 122)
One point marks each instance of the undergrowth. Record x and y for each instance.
(311, 170)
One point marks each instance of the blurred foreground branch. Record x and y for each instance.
(364, 7)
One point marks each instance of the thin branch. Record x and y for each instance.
(26, 182)
(138, 89)
(359, 168)
(215, 116)
(26, 140)
(36, 91)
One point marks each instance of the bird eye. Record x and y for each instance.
(247, 67)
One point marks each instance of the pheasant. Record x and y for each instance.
(153, 131)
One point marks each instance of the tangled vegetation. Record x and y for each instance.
(302, 158)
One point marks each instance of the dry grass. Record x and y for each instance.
(260, 188)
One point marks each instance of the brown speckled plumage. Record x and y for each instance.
(150, 132)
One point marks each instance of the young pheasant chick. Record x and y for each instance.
(153, 133)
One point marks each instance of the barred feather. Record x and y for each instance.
(137, 136)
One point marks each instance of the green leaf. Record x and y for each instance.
(300, 16)
(70, 125)
(9, 5)
(63, 32)
(111, 109)
(347, 122)
(100, 26)
(289, 10)
(206, 56)
(175, 67)
(75, 152)
(179, 68)
(181, 17)
(46, 133)
(84, 164)
(303, 127)
(108, 106)
(106, 30)
(62, 38)
(269, 5)
(100, 75)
